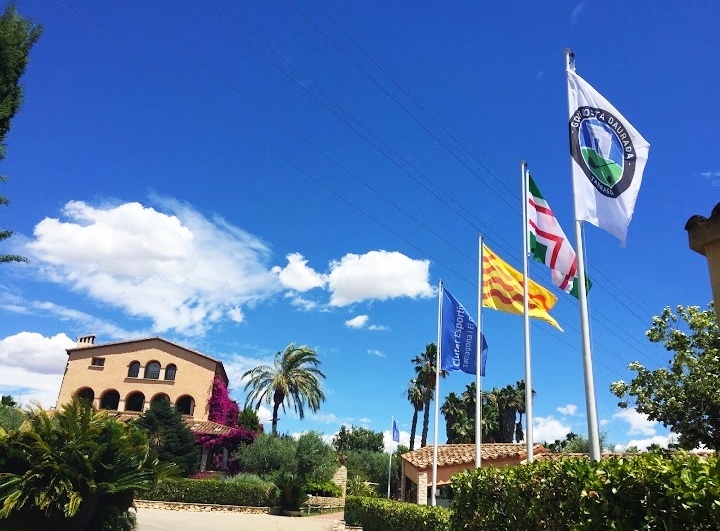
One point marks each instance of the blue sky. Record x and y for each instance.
(236, 178)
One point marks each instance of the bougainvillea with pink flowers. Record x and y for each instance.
(224, 410)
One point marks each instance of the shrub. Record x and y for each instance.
(75, 469)
(375, 514)
(247, 479)
(214, 492)
(647, 491)
(327, 488)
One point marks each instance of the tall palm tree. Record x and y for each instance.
(416, 398)
(452, 409)
(425, 371)
(294, 379)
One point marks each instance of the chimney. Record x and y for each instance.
(85, 341)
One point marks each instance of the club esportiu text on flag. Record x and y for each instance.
(607, 158)
(457, 350)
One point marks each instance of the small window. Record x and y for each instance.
(134, 369)
(98, 362)
(170, 371)
(152, 370)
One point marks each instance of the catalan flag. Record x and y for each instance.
(503, 290)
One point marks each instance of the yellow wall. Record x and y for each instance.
(194, 375)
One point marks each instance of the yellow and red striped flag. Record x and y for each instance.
(503, 290)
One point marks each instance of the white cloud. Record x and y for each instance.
(548, 429)
(377, 275)
(377, 353)
(404, 440)
(577, 11)
(378, 328)
(639, 423)
(357, 322)
(642, 444)
(32, 366)
(297, 275)
(181, 270)
(14, 304)
(712, 176)
(568, 410)
(303, 303)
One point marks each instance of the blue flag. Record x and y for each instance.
(395, 433)
(459, 338)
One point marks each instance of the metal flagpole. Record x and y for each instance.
(433, 499)
(478, 361)
(526, 323)
(392, 422)
(590, 400)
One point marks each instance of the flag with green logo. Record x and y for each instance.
(548, 243)
(608, 159)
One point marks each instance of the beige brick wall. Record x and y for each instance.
(194, 374)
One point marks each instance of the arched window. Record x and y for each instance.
(134, 369)
(185, 405)
(170, 371)
(160, 397)
(110, 399)
(152, 370)
(135, 401)
(85, 394)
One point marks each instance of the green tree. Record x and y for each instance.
(372, 467)
(170, 438)
(249, 419)
(357, 438)
(426, 372)
(292, 465)
(577, 444)
(17, 37)
(416, 399)
(11, 417)
(74, 469)
(266, 454)
(7, 400)
(294, 379)
(453, 409)
(684, 396)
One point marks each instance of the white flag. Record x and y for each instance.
(608, 159)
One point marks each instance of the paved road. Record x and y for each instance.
(162, 520)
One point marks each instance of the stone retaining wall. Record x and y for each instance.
(325, 501)
(199, 507)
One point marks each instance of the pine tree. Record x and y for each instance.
(17, 37)
(170, 437)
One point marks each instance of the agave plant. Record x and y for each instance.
(69, 468)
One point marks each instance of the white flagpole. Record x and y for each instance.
(526, 323)
(478, 361)
(392, 423)
(433, 499)
(590, 400)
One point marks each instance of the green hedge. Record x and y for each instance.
(647, 491)
(213, 492)
(376, 514)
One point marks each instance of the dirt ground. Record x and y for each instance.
(161, 520)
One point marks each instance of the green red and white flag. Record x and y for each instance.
(548, 243)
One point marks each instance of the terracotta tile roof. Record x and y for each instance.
(455, 454)
(554, 456)
(207, 427)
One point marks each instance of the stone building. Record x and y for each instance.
(128, 376)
